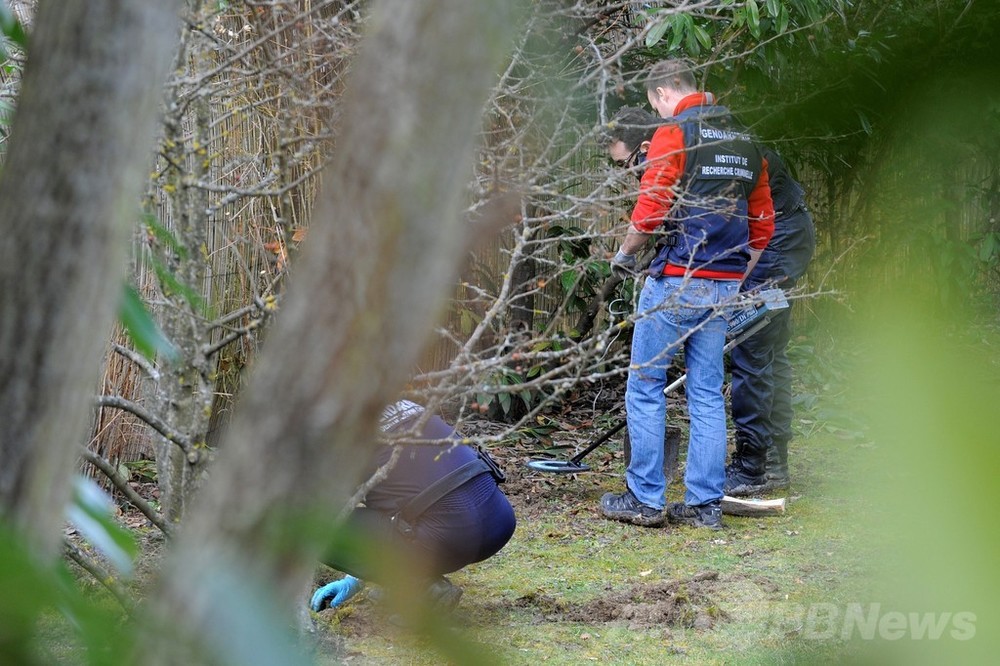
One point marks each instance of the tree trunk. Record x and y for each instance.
(384, 247)
(184, 393)
(80, 142)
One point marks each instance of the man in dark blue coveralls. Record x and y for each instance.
(439, 508)
(761, 373)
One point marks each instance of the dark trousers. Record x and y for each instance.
(442, 541)
(762, 392)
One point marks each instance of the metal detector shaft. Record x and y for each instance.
(575, 464)
(764, 321)
(603, 438)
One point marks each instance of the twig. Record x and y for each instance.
(380, 474)
(109, 582)
(131, 495)
(209, 350)
(139, 360)
(152, 420)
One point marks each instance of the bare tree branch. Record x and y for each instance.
(100, 574)
(139, 360)
(122, 484)
(158, 424)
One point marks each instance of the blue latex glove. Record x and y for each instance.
(335, 593)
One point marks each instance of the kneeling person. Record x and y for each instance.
(439, 508)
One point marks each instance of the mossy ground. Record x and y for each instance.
(740, 596)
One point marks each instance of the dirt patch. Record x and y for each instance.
(678, 603)
(358, 619)
(688, 603)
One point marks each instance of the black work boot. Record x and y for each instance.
(704, 515)
(745, 474)
(440, 598)
(776, 467)
(443, 594)
(627, 508)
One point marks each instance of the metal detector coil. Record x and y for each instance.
(574, 464)
(557, 466)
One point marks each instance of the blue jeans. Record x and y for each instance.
(671, 312)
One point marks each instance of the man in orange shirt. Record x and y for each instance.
(705, 194)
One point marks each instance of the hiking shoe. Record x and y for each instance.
(739, 483)
(705, 515)
(627, 508)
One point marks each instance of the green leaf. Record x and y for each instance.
(783, 19)
(656, 33)
(32, 594)
(512, 377)
(682, 30)
(739, 17)
(465, 322)
(702, 36)
(988, 248)
(866, 124)
(753, 18)
(26, 592)
(147, 337)
(525, 396)
(11, 28)
(567, 279)
(164, 235)
(691, 43)
(90, 512)
(773, 7)
(812, 10)
(171, 285)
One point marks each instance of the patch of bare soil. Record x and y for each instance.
(355, 620)
(679, 603)
(688, 603)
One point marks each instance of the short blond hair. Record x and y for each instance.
(676, 73)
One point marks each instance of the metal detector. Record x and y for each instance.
(742, 324)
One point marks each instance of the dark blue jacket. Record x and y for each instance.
(794, 241)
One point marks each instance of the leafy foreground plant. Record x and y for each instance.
(45, 614)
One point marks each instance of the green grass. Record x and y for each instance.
(769, 570)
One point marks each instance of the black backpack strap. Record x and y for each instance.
(403, 519)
